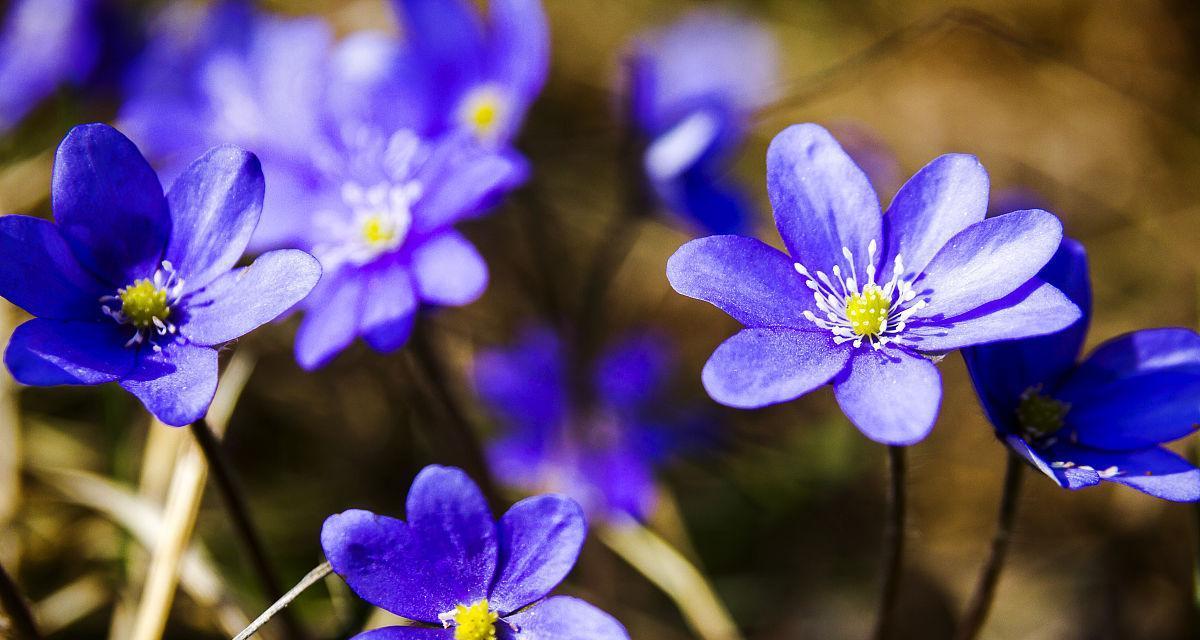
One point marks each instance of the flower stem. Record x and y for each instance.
(307, 581)
(981, 602)
(20, 618)
(893, 540)
(239, 512)
(670, 571)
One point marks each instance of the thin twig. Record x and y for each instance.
(20, 618)
(281, 604)
(893, 541)
(981, 602)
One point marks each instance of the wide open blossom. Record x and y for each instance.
(693, 87)
(600, 449)
(459, 574)
(131, 286)
(358, 176)
(1102, 419)
(864, 298)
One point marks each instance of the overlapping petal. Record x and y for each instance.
(176, 383)
(1035, 309)
(943, 198)
(892, 397)
(562, 618)
(449, 270)
(1135, 412)
(762, 366)
(539, 540)
(39, 273)
(332, 312)
(1154, 470)
(51, 352)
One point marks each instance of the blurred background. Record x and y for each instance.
(1090, 107)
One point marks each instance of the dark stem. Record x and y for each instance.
(239, 513)
(20, 618)
(544, 239)
(985, 590)
(893, 542)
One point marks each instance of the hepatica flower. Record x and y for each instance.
(864, 298)
(461, 575)
(1102, 419)
(693, 87)
(131, 286)
(599, 449)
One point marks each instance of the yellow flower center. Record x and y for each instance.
(142, 303)
(475, 622)
(378, 232)
(868, 311)
(1040, 415)
(483, 111)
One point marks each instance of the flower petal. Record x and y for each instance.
(762, 366)
(45, 352)
(540, 539)
(562, 618)
(520, 46)
(1036, 309)
(822, 200)
(406, 633)
(331, 316)
(176, 384)
(40, 274)
(1155, 471)
(215, 206)
(243, 300)
(1135, 412)
(987, 261)
(109, 204)
(1163, 349)
(525, 384)
(633, 371)
(943, 198)
(891, 396)
(449, 37)
(389, 307)
(744, 277)
(449, 271)
(463, 181)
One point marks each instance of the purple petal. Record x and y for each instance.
(44, 44)
(1155, 471)
(1145, 351)
(243, 300)
(892, 397)
(40, 274)
(762, 366)
(525, 384)
(45, 352)
(744, 277)
(561, 618)
(109, 204)
(463, 181)
(822, 200)
(215, 206)
(633, 371)
(520, 46)
(406, 633)
(376, 79)
(449, 271)
(540, 539)
(1036, 309)
(448, 36)
(176, 384)
(331, 317)
(389, 306)
(621, 478)
(1135, 412)
(987, 261)
(943, 198)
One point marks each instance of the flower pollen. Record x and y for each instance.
(474, 622)
(1040, 415)
(146, 304)
(483, 111)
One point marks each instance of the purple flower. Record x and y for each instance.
(1101, 419)
(358, 177)
(460, 574)
(599, 449)
(864, 297)
(693, 88)
(131, 286)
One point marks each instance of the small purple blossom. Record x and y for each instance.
(131, 286)
(459, 574)
(865, 298)
(599, 449)
(693, 87)
(1102, 419)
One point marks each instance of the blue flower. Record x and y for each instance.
(864, 297)
(358, 177)
(460, 574)
(131, 286)
(1101, 419)
(693, 87)
(600, 449)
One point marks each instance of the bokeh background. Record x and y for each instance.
(1090, 107)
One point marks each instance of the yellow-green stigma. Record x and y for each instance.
(379, 233)
(1040, 415)
(868, 311)
(142, 303)
(474, 622)
(483, 111)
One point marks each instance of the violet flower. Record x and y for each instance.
(693, 87)
(1102, 419)
(458, 573)
(864, 298)
(131, 286)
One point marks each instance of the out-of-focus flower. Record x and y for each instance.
(596, 439)
(1101, 419)
(864, 298)
(461, 575)
(693, 87)
(135, 287)
(358, 176)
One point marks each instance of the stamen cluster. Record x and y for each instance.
(146, 304)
